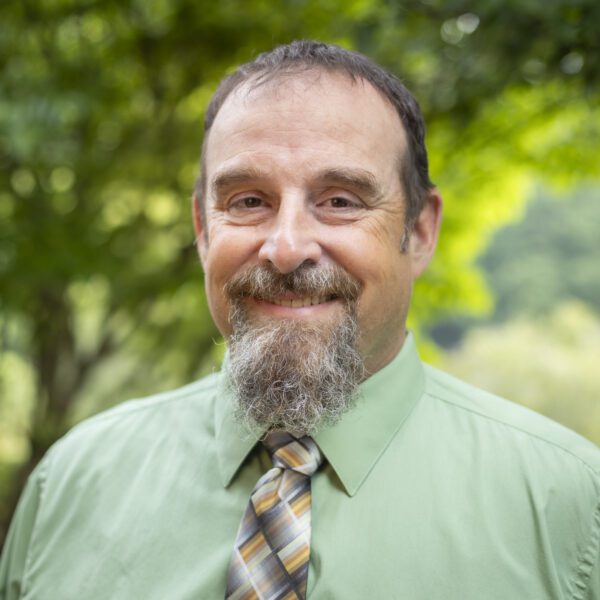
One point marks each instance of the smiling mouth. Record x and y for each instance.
(300, 302)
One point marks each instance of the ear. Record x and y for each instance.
(199, 228)
(424, 236)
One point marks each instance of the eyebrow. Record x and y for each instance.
(361, 180)
(233, 177)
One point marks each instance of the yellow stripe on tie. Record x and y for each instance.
(290, 457)
(265, 502)
(300, 505)
(252, 546)
(298, 559)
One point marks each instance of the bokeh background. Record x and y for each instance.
(101, 103)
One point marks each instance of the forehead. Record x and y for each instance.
(307, 120)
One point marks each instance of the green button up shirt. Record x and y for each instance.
(432, 490)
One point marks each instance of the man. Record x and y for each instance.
(314, 215)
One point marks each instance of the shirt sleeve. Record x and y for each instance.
(13, 561)
(593, 592)
(587, 583)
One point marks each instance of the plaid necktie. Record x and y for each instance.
(270, 556)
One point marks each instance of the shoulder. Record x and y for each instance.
(155, 406)
(533, 479)
(510, 426)
(105, 478)
(137, 426)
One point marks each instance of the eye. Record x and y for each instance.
(245, 205)
(248, 207)
(342, 202)
(339, 202)
(247, 202)
(339, 206)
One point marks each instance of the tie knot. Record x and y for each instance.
(301, 455)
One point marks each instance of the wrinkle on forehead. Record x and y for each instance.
(290, 87)
(305, 79)
(289, 99)
(279, 83)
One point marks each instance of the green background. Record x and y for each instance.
(101, 104)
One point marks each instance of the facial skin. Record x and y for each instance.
(304, 171)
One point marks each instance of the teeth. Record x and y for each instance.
(299, 302)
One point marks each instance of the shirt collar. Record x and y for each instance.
(352, 446)
(234, 442)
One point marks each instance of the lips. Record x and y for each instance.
(299, 302)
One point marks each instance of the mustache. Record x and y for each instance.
(265, 281)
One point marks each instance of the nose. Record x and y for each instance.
(291, 239)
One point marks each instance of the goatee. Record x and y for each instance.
(290, 373)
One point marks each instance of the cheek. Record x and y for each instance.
(375, 260)
(385, 273)
(383, 302)
(227, 253)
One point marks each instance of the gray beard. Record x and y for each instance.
(293, 375)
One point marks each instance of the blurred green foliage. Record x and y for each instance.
(101, 104)
(551, 256)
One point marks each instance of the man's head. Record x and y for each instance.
(318, 214)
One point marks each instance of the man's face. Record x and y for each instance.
(303, 172)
